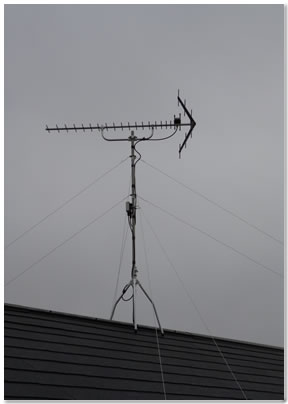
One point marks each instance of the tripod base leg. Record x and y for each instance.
(118, 300)
(134, 283)
(153, 305)
(134, 306)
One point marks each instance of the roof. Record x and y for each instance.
(52, 355)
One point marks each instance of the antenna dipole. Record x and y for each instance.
(131, 206)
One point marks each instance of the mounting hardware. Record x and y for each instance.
(129, 209)
(177, 121)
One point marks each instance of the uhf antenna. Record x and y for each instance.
(131, 206)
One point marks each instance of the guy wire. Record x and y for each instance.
(123, 243)
(65, 203)
(150, 287)
(213, 202)
(213, 238)
(195, 307)
(63, 242)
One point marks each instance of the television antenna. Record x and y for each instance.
(131, 206)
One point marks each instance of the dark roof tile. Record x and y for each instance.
(52, 355)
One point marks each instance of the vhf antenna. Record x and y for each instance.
(131, 206)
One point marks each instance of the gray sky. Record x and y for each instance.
(73, 64)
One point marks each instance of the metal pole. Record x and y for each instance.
(133, 201)
(131, 211)
(133, 224)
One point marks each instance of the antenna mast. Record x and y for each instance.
(131, 206)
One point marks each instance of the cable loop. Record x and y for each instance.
(126, 287)
(140, 140)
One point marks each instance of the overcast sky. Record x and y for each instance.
(95, 64)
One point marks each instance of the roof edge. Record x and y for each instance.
(140, 325)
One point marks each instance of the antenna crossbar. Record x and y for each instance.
(100, 128)
(176, 123)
